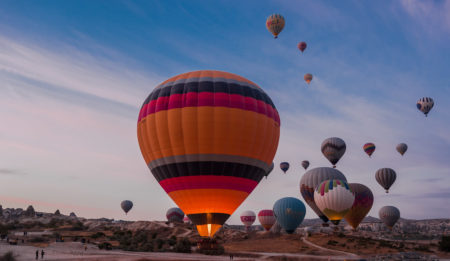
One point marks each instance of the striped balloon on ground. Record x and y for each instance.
(334, 198)
(266, 218)
(309, 182)
(361, 206)
(385, 177)
(208, 138)
(175, 215)
(333, 149)
(389, 215)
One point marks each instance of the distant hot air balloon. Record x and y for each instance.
(361, 206)
(289, 213)
(334, 198)
(402, 148)
(266, 218)
(425, 105)
(175, 215)
(248, 217)
(309, 182)
(308, 78)
(333, 149)
(275, 24)
(385, 177)
(284, 166)
(200, 135)
(126, 206)
(369, 148)
(301, 46)
(186, 220)
(389, 215)
(270, 169)
(305, 164)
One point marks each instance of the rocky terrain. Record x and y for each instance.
(408, 240)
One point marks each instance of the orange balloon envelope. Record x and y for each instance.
(308, 78)
(208, 138)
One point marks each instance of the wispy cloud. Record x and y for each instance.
(13, 172)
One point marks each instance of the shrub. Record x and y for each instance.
(183, 246)
(37, 240)
(341, 234)
(172, 240)
(332, 242)
(105, 245)
(97, 235)
(8, 256)
(444, 244)
(78, 226)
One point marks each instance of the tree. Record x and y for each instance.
(444, 244)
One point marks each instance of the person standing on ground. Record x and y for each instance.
(37, 254)
(42, 254)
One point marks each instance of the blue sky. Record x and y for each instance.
(74, 74)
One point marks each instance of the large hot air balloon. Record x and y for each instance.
(425, 105)
(369, 148)
(248, 217)
(126, 206)
(385, 177)
(361, 206)
(200, 135)
(305, 164)
(309, 182)
(284, 166)
(175, 215)
(289, 213)
(389, 215)
(301, 46)
(275, 24)
(308, 78)
(266, 218)
(333, 148)
(334, 198)
(270, 169)
(402, 148)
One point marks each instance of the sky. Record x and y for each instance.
(73, 75)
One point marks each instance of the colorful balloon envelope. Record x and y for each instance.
(266, 218)
(305, 164)
(425, 105)
(248, 217)
(275, 24)
(401, 148)
(200, 135)
(308, 78)
(301, 46)
(284, 166)
(309, 182)
(389, 215)
(333, 149)
(369, 148)
(385, 177)
(126, 206)
(289, 213)
(334, 198)
(186, 220)
(175, 215)
(361, 206)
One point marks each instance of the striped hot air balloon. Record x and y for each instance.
(369, 148)
(284, 166)
(401, 148)
(385, 177)
(308, 78)
(200, 135)
(425, 105)
(334, 198)
(248, 217)
(175, 215)
(275, 24)
(266, 218)
(333, 149)
(389, 215)
(301, 46)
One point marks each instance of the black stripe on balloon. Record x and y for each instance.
(208, 86)
(215, 168)
(208, 218)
